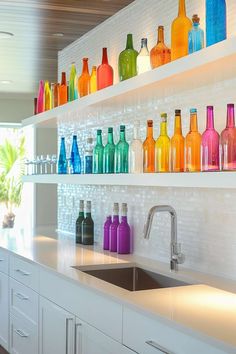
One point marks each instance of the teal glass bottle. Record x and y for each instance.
(195, 36)
(98, 154)
(109, 153)
(88, 227)
(128, 60)
(79, 221)
(122, 153)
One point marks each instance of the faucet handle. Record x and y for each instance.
(177, 255)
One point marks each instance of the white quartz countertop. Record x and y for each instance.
(207, 312)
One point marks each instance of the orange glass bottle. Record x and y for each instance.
(160, 54)
(149, 150)
(177, 145)
(84, 79)
(55, 94)
(193, 145)
(63, 97)
(93, 80)
(179, 33)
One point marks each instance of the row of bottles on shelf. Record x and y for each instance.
(84, 228)
(186, 38)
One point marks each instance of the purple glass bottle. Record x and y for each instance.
(106, 234)
(113, 229)
(210, 144)
(228, 141)
(123, 238)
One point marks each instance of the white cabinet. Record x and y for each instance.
(23, 336)
(4, 311)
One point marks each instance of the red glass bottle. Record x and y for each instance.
(104, 72)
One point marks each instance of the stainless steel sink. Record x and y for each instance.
(133, 278)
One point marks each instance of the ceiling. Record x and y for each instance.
(41, 28)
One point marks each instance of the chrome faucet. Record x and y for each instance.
(176, 257)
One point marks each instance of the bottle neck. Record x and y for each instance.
(122, 136)
(193, 122)
(136, 133)
(81, 213)
(99, 139)
(110, 138)
(88, 214)
(63, 148)
(116, 217)
(182, 8)
(160, 35)
(85, 66)
(210, 118)
(144, 43)
(195, 25)
(149, 132)
(104, 56)
(129, 42)
(163, 130)
(94, 70)
(63, 78)
(178, 125)
(124, 218)
(230, 117)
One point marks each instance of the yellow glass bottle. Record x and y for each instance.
(47, 96)
(193, 145)
(179, 33)
(162, 147)
(177, 145)
(93, 80)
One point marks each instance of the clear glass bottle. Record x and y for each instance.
(143, 58)
(93, 80)
(40, 99)
(136, 151)
(162, 147)
(195, 36)
(62, 162)
(72, 84)
(75, 157)
(127, 64)
(149, 150)
(123, 232)
(193, 145)
(160, 54)
(122, 153)
(216, 21)
(84, 79)
(88, 227)
(63, 90)
(104, 72)
(88, 157)
(98, 154)
(228, 141)
(177, 145)
(109, 153)
(47, 97)
(79, 221)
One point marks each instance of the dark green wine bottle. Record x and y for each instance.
(79, 221)
(88, 227)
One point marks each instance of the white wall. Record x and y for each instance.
(13, 110)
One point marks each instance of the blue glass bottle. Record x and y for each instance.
(195, 36)
(62, 164)
(75, 160)
(215, 21)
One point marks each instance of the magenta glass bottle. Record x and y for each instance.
(104, 72)
(210, 144)
(123, 236)
(113, 229)
(228, 141)
(40, 100)
(106, 234)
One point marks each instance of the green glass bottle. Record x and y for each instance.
(128, 60)
(109, 153)
(98, 154)
(88, 227)
(72, 84)
(122, 153)
(79, 221)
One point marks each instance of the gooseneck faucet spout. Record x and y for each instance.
(176, 257)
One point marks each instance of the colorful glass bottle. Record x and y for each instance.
(72, 84)
(128, 60)
(122, 153)
(193, 145)
(62, 163)
(79, 221)
(98, 154)
(109, 153)
(88, 227)
(54, 94)
(106, 232)
(123, 232)
(162, 147)
(63, 98)
(149, 150)
(75, 160)
(216, 21)
(136, 151)
(177, 145)
(143, 58)
(104, 72)
(160, 54)
(179, 33)
(195, 36)
(47, 97)
(228, 141)
(210, 144)
(88, 157)
(40, 99)
(93, 80)
(113, 229)
(84, 79)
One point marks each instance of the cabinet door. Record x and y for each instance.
(56, 329)
(4, 311)
(89, 340)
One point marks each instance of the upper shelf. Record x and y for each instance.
(207, 66)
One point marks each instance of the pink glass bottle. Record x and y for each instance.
(113, 229)
(106, 233)
(104, 72)
(40, 100)
(228, 141)
(210, 144)
(123, 236)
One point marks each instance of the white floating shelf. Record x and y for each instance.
(189, 180)
(204, 67)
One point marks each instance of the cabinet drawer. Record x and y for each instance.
(23, 337)
(4, 261)
(25, 272)
(23, 301)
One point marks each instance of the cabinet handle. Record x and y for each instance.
(159, 347)
(23, 272)
(21, 333)
(21, 296)
(77, 342)
(67, 333)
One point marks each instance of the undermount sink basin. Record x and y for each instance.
(133, 278)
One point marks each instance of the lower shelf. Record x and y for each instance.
(185, 180)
